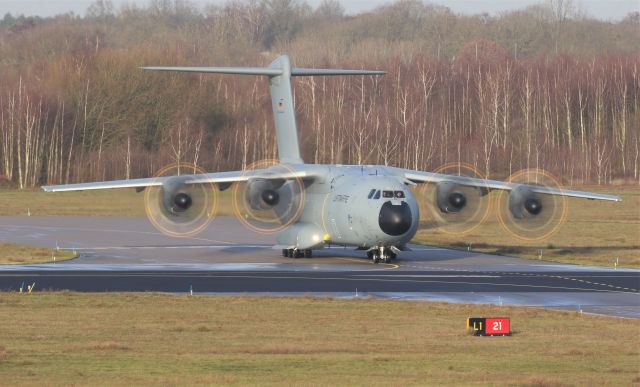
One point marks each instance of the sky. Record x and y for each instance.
(601, 9)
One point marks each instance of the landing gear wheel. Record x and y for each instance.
(297, 253)
(392, 256)
(307, 253)
(290, 253)
(384, 255)
(376, 257)
(285, 253)
(370, 254)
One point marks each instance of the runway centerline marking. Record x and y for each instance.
(506, 273)
(390, 266)
(429, 275)
(100, 248)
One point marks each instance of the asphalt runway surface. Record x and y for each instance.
(128, 254)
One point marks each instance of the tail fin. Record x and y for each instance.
(279, 73)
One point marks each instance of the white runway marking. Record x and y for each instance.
(163, 247)
(429, 275)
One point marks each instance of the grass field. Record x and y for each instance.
(596, 232)
(19, 254)
(120, 202)
(132, 339)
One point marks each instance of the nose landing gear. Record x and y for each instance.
(381, 254)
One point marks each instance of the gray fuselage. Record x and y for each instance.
(361, 206)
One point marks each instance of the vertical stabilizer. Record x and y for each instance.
(284, 112)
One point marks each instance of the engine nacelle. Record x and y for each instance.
(524, 203)
(262, 194)
(176, 196)
(450, 198)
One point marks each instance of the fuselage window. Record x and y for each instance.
(377, 195)
(371, 193)
(387, 194)
(399, 194)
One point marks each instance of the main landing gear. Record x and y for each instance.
(296, 253)
(381, 254)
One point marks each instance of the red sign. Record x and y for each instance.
(497, 326)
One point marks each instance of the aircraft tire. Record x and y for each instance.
(376, 257)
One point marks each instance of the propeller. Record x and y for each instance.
(531, 216)
(453, 208)
(265, 203)
(177, 208)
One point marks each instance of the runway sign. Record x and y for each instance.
(489, 326)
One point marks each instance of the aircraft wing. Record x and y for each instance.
(223, 179)
(430, 177)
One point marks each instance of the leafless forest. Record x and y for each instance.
(544, 87)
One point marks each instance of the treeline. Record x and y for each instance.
(542, 87)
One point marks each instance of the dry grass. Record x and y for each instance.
(108, 346)
(21, 254)
(120, 202)
(596, 233)
(91, 203)
(133, 339)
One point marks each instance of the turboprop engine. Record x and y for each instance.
(523, 203)
(178, 208)
(529, 213)
(267, 204)
(177, 198)
(450, 197)
(262, 194)
(460, 208)
(454, 198)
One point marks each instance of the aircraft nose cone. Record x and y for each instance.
(395, 219)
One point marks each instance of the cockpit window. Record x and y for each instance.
(399, 194)
(373, 191)
(377, 195)
(387, 194)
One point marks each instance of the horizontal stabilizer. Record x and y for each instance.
(302, 72)
(221, 70)
(268, 71)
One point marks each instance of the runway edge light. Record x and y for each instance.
(489, 326)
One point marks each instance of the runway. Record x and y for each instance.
(128, 254)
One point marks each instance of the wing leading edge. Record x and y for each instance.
(430, 177)
(220, 178)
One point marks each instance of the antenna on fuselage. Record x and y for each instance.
(279, 73)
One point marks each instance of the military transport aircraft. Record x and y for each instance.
(367, 207)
